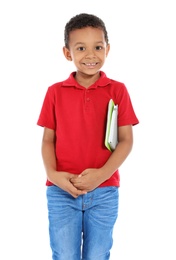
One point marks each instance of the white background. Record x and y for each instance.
(143, 56)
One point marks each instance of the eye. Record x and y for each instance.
(81, 48)
(98, 48)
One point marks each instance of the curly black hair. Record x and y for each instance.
(81, 21)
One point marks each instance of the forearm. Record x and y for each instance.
(116, 159)
(49, 159)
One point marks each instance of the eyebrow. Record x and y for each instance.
(79, 43)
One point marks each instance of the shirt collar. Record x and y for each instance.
(101, 82)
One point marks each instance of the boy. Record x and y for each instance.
(82, 174)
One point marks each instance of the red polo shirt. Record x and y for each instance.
(78, 116)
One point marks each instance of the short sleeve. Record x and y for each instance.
(47, 114)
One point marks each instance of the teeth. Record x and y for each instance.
(90, 64)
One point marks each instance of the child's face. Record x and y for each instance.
(87, 49)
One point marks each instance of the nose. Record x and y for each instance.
(90, 53)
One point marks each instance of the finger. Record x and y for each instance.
(78, 186)
(78, 194)
(75, 181)
(75, 196)
(76, 191)
(72, 179)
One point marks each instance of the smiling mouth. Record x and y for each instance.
(93, 64)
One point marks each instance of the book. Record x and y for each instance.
(111, 135)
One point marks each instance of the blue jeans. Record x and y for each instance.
(82, 228)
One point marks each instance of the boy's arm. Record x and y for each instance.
(89, 179)
(60, 179)
(123, 149)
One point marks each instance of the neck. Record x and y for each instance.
(86, 80)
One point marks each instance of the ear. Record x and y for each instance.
(107, 49)
(67, 53)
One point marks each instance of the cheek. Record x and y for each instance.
(76, 57)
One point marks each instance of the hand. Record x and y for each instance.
(63, 180)
(88, 180)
